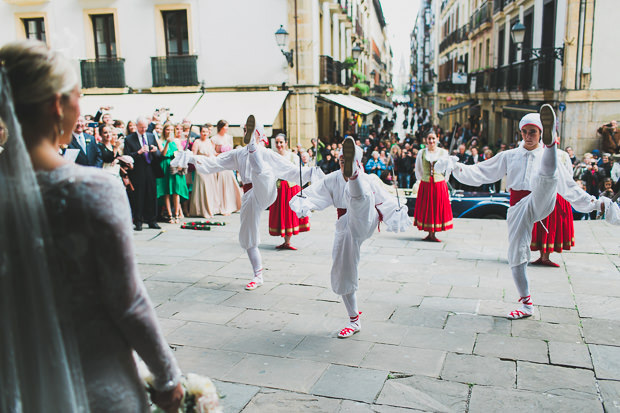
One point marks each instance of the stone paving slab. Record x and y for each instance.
(489, 371)
(421, 317)
(561, 381)
(424, 393)
(606, 360)
(570, 354)
(546, 331)
(601, 331)
(559, 315)
(495, 399)
(277, 401)
(236, 396)
(252, 341)
(207, 362)
(512, 348)
(478, 324)
(275, 372)
(331, 350)
(349, 406)
(610, 390)
(405, 360)
(456, 341)
(351, 383)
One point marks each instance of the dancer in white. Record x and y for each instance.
(259, 169)
(533, 181)
(362, 203)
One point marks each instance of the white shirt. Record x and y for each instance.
(80, 138)
(520, 166)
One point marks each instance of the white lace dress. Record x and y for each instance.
(101, 299)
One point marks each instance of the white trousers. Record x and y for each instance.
(522, 216)
(263, 193)
(352, 229)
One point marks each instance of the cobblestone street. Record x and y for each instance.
(433, 333)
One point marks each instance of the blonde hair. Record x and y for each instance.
(36, 74)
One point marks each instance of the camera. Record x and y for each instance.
(92, 124)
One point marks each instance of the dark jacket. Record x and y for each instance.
(92, 157)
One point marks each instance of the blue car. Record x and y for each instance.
(473, 204)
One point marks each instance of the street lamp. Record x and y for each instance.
(282, 41)
(356, 51)
(460, 65)
(517, 33)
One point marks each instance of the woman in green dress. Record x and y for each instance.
(172, 183)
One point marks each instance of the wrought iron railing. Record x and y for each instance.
(174, 70)
(482, 15)
(447, 86)
(104, 73)
(331, 71)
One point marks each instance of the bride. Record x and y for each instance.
(72, 304)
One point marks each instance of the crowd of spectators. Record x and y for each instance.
(387, 154)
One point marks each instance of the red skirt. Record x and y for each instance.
(559, 223)
(282, 220)
(432, 207)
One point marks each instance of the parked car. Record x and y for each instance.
(473, 204)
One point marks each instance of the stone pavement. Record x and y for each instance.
(433, 333)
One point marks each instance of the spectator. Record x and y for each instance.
(607, 188)
(615, 172)
(605, 165)
(328, 164)
(610, 137)
(172, 183)
(404, 167)
(88, 154)
(375, 165)
(131, 128)
(571, 155)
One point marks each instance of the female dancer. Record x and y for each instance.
(282, 221)
(432, 207)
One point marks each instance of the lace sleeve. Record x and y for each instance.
(122, 290)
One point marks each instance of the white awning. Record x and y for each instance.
(234, 107)
(128, 107)
(353, 103)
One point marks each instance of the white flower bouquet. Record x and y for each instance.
(200, 393)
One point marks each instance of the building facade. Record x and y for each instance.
(565, 59)
(192, 55)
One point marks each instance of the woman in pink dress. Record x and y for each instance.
(205, 198)
(228, 187)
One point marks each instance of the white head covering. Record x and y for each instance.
(531, 119)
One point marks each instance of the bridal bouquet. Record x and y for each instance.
(200, 392)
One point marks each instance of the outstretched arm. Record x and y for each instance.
(316, 198)
(226, 161)
(485, 172)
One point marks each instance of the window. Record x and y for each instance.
(175, 29)
(35, 28)
(105, 39)
(488, 54)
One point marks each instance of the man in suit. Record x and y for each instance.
(142, 147)
(89, 154)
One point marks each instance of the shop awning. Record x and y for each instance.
(353, 103)
(128, 107)
(516, 112)
(236, 106)
(449, 109)
(199, 108)
(379, 101)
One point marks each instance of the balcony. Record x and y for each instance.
(498, 5)
(481, 16)
(331, 71)
(531, 74)
(174, 71)
(457, 36)
(447, 86)
(103, 73)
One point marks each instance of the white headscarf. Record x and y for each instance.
(531, 119)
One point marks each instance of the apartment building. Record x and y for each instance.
(565, 58)
(208, 59)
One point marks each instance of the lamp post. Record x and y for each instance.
(517, 33)
(356, 51)
(282, 41)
